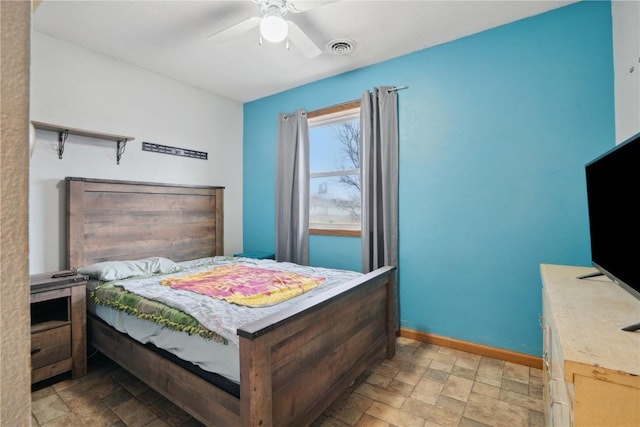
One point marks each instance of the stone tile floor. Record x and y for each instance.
(423, 385)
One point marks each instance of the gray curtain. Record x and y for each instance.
(292, 188)
(379, 169)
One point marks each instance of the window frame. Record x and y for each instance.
(350, 105)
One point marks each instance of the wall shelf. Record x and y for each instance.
(64, 131)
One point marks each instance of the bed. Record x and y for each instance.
(293, 363)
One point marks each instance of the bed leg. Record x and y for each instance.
(255, 388)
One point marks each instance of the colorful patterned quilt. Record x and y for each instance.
(246, 285)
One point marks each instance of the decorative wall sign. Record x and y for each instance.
(166, 149)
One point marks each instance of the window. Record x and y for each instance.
(334, 196)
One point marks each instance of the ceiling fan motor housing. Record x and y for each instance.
(274, 8)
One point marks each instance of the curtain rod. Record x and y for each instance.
(344, 104)
(395, 89)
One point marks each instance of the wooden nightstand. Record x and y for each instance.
(58, 325)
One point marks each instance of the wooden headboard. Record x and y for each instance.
(111, 220)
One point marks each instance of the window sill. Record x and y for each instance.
(329, 232)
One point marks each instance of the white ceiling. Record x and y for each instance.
(170, 37)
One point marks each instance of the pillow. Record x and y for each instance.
(118, 270)
(199, 262)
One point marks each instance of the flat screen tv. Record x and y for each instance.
(613, 198)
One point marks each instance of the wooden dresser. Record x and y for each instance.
(591, 367)
(58, 325)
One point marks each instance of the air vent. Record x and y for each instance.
(341, 46)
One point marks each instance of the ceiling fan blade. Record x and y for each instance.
(298, 6)
(302, 41)
(235, 30)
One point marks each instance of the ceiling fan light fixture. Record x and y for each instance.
(273, 28)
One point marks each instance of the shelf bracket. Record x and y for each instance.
(62, 138)
(122, 144)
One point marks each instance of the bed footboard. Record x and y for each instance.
(296, 363)
(209, 404)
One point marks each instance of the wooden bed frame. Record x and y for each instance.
(293, 364)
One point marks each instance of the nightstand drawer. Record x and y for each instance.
(50, 346)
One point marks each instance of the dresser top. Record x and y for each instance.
(588, 315)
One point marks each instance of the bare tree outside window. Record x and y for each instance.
(348, 134)
(335, 172)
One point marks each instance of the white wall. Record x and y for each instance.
(626, 59)
(79, 88)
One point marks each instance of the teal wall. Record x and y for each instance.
(495, 130)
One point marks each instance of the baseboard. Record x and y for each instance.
(469, 347)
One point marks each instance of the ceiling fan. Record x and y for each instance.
(273, 27)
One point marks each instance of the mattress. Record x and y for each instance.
(209, 355)
(218, 356)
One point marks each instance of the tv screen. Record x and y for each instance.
(613, 196)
